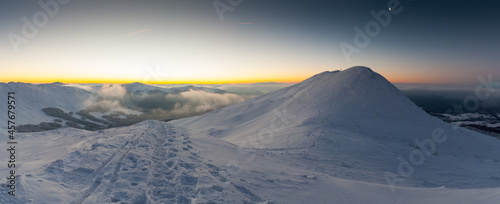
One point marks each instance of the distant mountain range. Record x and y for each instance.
(97, 106)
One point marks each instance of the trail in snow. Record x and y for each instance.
(151, 162)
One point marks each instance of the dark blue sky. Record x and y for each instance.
(427, 42)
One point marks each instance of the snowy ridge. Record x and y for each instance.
(73, 98)
(354, 124)
(32, 98)
(329, 99)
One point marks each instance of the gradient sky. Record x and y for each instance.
(185, 41)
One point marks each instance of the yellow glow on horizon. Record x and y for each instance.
(399, 80)
(38, 80)
(184, 77)
(291, 78)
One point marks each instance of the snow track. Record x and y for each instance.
(156, 162)
(172, 167)
(97, 175)
(153, 162)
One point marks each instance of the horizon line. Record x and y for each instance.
(207, 82)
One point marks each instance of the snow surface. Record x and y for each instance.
(334, 138)
(156, 162)
(30, 99)
(355, 125)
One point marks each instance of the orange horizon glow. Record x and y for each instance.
(117, 81)
(228, 78)
(110, 44)
(394, 80)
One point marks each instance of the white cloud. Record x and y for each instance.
(113, 91)
(80, 86)
(195, 102)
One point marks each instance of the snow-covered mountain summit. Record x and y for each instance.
(355, 124)
(356, 99)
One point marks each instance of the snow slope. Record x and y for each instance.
(156, 162)
(329, 99)
(354, 124)
(31, 98)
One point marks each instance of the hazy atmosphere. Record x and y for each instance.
(193, 41)
(249, 101)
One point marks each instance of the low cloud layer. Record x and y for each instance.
(160, 103)
(80, 86)
(195, 102)
(116, 91)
